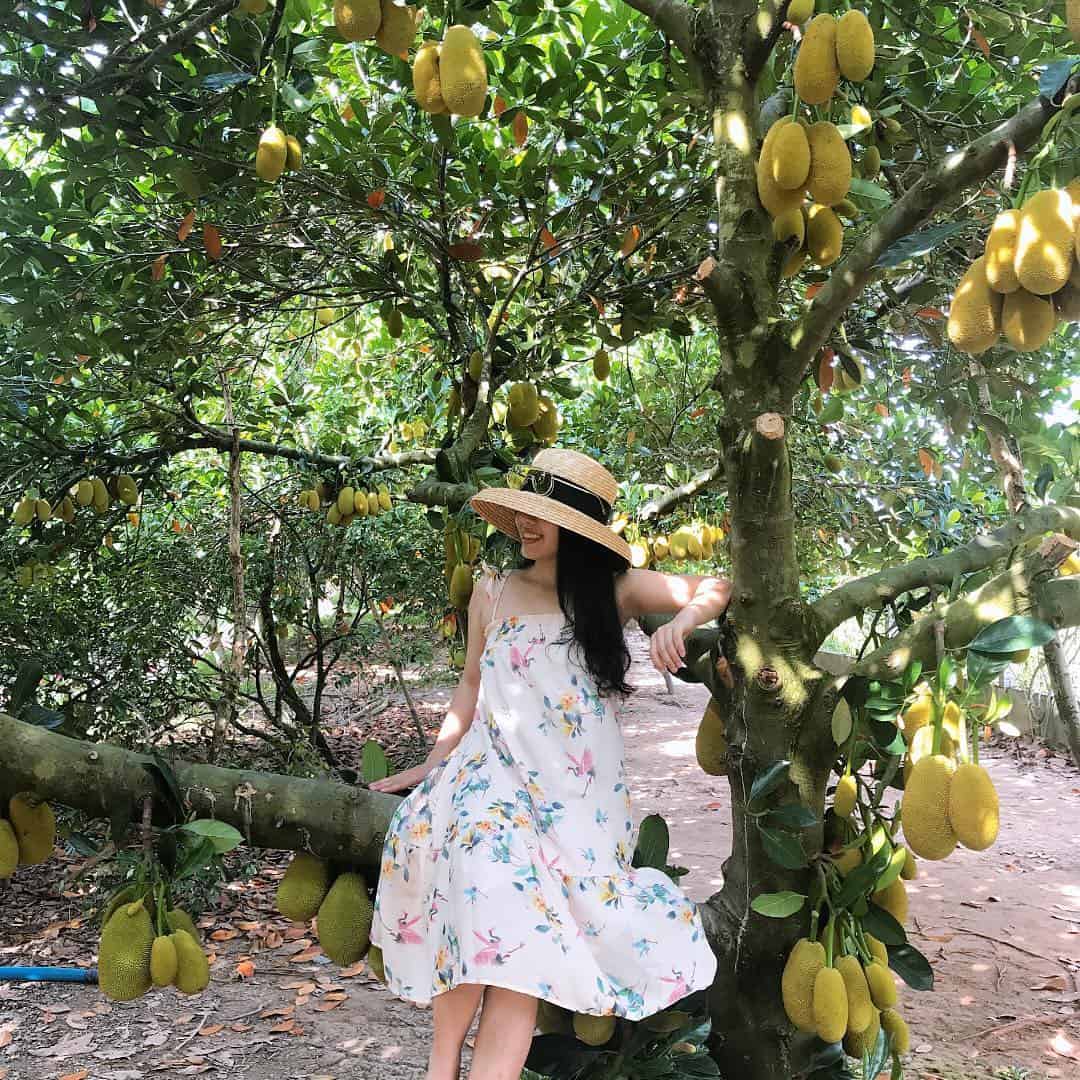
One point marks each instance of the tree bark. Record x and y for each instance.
(1064, 696)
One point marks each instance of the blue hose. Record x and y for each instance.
(48, 974)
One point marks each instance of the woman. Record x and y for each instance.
(506, 875)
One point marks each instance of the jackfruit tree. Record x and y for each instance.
(284, 284)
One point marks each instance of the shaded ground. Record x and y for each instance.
(1002, 930)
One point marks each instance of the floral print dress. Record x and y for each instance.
(509, 865)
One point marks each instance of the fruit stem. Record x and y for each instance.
(830, 930)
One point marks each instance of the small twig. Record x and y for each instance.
(108, 850)
(198, 1028)
(1012, 945)
(146, 830)
(1015, 1024)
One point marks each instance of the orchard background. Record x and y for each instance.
(228, 348)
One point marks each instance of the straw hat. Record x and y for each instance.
(562, 487)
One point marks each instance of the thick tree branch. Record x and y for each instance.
(662, 504)
(675, 18)
(434, 492)
(762, 36)
(949, 177)
(878, 589)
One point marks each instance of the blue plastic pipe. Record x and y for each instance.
(48, 974)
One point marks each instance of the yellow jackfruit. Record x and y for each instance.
(830, 1005)
(524, 404)
(773, 197)
(973, 807)
(463, 72)
(845, 861)
(192, 967)
(304, 887)
(593, 1030)
(710, 744)
(925, 807)
(877, 950)
(476, 364)
(861, 116)
(847, 792)
(24, 511)
(547, 424)
(553, 1020)
(601, 364)
(1027, 320)
(860, 1008)
(897, 1030)
(893, 898)
(313, 500)
(854, 45)
(67, 509)
(790, 157)
(803, 964)
(124, 953)
(345, 500)
(922, 743)
(794, 263)
(829, 179)
(817, 73)
(917, 715)
(374, 960)
(824, 235)
(856, 1044)
(179, 919)
(163, 962)
(911, 867)
(42, 509)
(799, 11)
(1001, 252)
(271, 154)
(1045, 242)
(9, 850)
(397, 28)
(294, 153)
(882, 984)
(126, 490)
(84, 493)
(975, 315)
(345, 919)
(35, 828)
(383, 497)
(357, 19)
(426, 83)
(102, 498)
(372, 503)
(790, 225)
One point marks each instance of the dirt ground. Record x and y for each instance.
(1002, 930)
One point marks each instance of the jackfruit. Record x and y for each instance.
(830, 1005)
(847, 792)
(772, 196)
(345, 920)
(271, 154)
(973, 807)
(476, 364)
(857, 1044)
(829, 179)
(102, 499)
(397, 28)
(790, 225)
(524, 404)
(124, 953)
(304, 887)
(9, 850)
(313, 500)
(593, 1030)
(461, 586)
(553, 1020)
(1067, 303)
(794, 263)
(1027, 320)
(374, 960)
(925, 807)
(34, 827)
(346, 500)
(24, 512)
(710, 744)
(803, 964)
(660, 548)
(383, 497)
(897, 1030)
(546, 426)
(359, 506)
(1001, 252)
(799, 11)
(911, 868)
(601, 364)
(84, 492)
(922, 746)
(817, 73)
(372, 503)
(67, 509)
(426, 83)
(854, 45)
(790, 157)
(860, 116)
(357, 19)
(846, 208)
(824, 235)
(333, 515)
(917, 715)
(192, 967)
(395, 323)
(179, 919)
(42, 509)
(163, 962)
(1044, 244)
(845, 861)
(860, 1008)
(975, 315)
(893, 898)
(253, 7)
(882, 984)
(463, 72)
(126, 490)
(294, 153)
(877, 950)
(870, 165)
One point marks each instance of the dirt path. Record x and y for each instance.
(1002, 930)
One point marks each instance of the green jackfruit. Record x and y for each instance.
(461, 585)
(870, 165)
(1001, 252)
(710, 745)
(546, 425)
(128, 894)
(973, 807)
(523, 403)
(9, 850)
(553, 1020)
(830, 1005)
(463, 72)
(124, 953)
(790, 157)
(192, 967)
(357, 19)
(804, 962)
(374, 960)
(101, 498)
(24, 512)
(163, 961)
(126, 490)
(829, 179)
(476, 364)
(799, 11)
(882, 985)
(593, 1030)
(601, 365)
(303, 888)
(84, 492)
(345, 500)
(897, 1030)
(817, 73)
(911, 868)
(854, 45)
(345, 920)
(860, 1008)
(847, 792)
(856, 1044)
(1027, 320)
(178, 919)
(925, 807)
(35, 828)
(1044, 243)
(975, 315)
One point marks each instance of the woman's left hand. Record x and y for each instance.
(667, 646)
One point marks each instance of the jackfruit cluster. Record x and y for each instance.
(451, 76)
(392, 26)
(349, 502)
(462, 550)
(832, 48)
(527, 415)
(90, 491)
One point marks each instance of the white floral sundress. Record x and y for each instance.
(509, 865)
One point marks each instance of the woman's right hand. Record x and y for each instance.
(406, 779)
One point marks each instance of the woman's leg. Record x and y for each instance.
(506, 1030)
(453, 1012)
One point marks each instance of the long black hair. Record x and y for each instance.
(585, 575)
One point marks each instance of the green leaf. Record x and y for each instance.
(833, 410)
(918, 243)
(1012, 634)
(220, 834)
(373, 763)
(883, 926)
(911, 966)
(793, 816)
(982, 668)
(783, 848)
(841, 722)
(892, 870)
(778, 905)
(652, 843)
(862, 878)
(769, 779)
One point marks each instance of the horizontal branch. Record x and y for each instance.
(661, 504)
(433, 492)
(271, 810)
(674, 18)
(876, 590)
(957, 171)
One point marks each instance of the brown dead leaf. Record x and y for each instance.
(245, 969)
(547, 238)
(157, 270)
(707, 266)
(302, 1000)
(82, 1074)
(212, 241)
(224, 935)
(211, 1029)
(1053, 982)
(5, 1038)
(630, 241)
(376, 198)
(521, 129)
(306, 956)
(337, 995)
(283, 1028)
(466, 251)
(302, 985)
(248, 926)
(326, 1006)
(239, 1027)
(186, 226)
(499, 107)
(926, 460)
(882, 410)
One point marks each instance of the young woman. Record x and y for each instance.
(506, 874)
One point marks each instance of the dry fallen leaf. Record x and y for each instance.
(245, 969)
(306, 956)
(326, 1006)
(353, 970)
(82, 1074)
(211, 1029)
(186, 226)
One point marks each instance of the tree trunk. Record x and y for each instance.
(1064, 696)
(331, 820)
